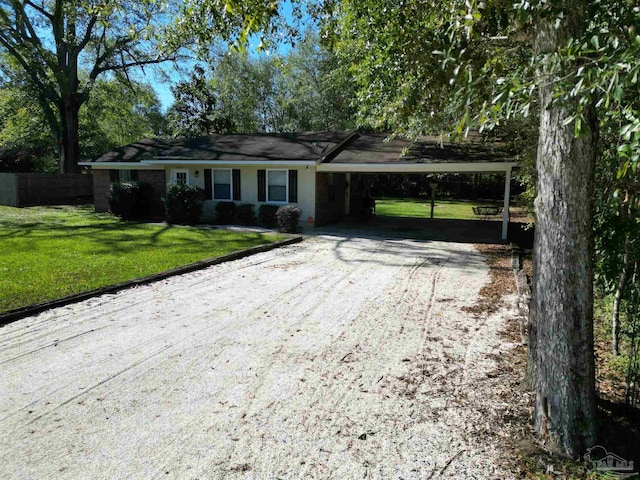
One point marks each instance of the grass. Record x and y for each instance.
(421, 208)
(51, 252)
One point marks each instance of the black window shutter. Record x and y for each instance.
(236, 184)
(293, 186)
(262, 185)
(114, 175)
(208, 187)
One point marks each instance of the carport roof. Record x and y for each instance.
(372, 149)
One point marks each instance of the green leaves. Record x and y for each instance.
(308, 89)
(202, 23)
(196, 111)
(117, 114)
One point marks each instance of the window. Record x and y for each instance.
(181, 177)
(129, 175)
(277, 186)
(222, 184)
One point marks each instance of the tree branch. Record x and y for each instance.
(25, 22)
(87, 35)
(139, 63)
(118, 43)
(39, 9)
(45, 93)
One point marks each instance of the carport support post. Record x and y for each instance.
(433, 186)
(505, 208)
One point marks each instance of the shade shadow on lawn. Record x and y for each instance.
(45, 259)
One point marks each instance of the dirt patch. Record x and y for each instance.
(512, 400)
(501, 284)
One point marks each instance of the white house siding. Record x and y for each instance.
(249, 186)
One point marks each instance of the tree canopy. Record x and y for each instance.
(196, 111)
(304, 90)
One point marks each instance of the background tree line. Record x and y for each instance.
(304, 90)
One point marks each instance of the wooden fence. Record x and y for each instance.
(28, 189)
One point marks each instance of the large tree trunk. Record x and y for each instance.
(561, 343)
(69, 135)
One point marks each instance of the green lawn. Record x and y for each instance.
(421, 208)
(51, 252)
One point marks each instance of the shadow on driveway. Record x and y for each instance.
(446, 230)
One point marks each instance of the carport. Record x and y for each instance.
(374, 153)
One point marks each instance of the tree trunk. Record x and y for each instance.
(69, 142)
(561, 343)
(617, 299)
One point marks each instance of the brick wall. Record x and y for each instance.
(158, 181)
(330, 197)
(101, 181)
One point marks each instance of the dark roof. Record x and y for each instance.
(376, 149)
(352, 148)
(285, 146)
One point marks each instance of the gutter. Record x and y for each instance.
(150, 164)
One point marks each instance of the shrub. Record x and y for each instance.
(123, 197)
(183, 204)
(130, 200)
(225, 212)
(287, 217)
(144, 200)
(245, 215)
(267, 215)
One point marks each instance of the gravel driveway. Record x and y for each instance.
(334, 358)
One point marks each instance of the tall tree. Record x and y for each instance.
(561, 339)
(195, 111)
(317, 89)
(306, 89)
(118, 112)
(233, 79)
(250, 91)
(53, 40)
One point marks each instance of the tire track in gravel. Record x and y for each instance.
(308, 313)
(256, 388)
(270, 304)
(78, 310)
(349, 385)
(28, 330)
